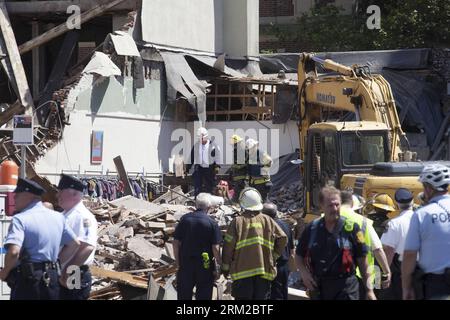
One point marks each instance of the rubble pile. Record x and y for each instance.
(134, 257)
(288, 198)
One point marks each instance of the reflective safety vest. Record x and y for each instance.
(363, 224)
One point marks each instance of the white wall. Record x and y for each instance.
(184, 23)
(213, 26)
(241, 28)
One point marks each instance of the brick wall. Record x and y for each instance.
(276, 8)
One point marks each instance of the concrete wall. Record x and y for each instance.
(184, 23)
(241, 27)
(213, 26)
(130, 120)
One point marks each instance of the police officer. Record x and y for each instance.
(429, 236)
(197, 242)
(393, 240)
(33, 243)
(259, 163)
(328, 252)
(206, 158)
(279, 288)
(84, 224)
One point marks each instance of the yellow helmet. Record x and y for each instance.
(235, 139)
(383, 201)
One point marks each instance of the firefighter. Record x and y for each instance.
(196, 249)
(328, 252)
(382, 205)
(259, 163)
(239, 171)
(253, 243)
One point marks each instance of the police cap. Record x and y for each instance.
(26, 185)
(69, 182)
(403, 195)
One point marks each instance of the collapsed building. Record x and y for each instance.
(137, 77)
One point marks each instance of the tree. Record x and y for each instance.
(404, 24)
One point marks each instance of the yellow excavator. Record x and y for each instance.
(350, 133)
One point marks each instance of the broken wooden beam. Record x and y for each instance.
(63, 28)
(12, 62)
(57, 75)
(8, 114)
(120, 277)
(60, 7)
(123, 175)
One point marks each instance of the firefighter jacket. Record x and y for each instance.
(252, 244)
(259, 164)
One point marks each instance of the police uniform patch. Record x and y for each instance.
(360, 237)
(86, 223)
(348, 226)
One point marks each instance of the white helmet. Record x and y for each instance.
(202, 132)
(437, 175)
(358, 202)
(250, 199)
(251, 143)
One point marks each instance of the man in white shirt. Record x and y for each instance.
(206, 158)
(76, 277)
(393, 240)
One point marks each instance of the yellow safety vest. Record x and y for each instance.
(363, 224)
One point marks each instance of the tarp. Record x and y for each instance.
(181, 79)
(408, 59)
(287, 174)
(417, 100)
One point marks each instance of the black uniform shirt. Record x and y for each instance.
(290, 244)
(326, 255)
(197, 233)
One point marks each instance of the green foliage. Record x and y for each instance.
(404, 24)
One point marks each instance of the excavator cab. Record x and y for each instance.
(337, 148)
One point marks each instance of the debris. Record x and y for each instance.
(102, 65)
(144, 248)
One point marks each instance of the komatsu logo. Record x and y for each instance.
(327, 98)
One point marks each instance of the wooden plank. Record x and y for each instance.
(120, 277)
(162, 272)
(20, 82)
(60, 7)
(154, 290)
(56, 77)
(252, 110)
(63, 28)
(123, 175)
(8, 114)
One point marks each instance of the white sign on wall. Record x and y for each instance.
(23, 130)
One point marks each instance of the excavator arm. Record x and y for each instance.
(351, 89)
